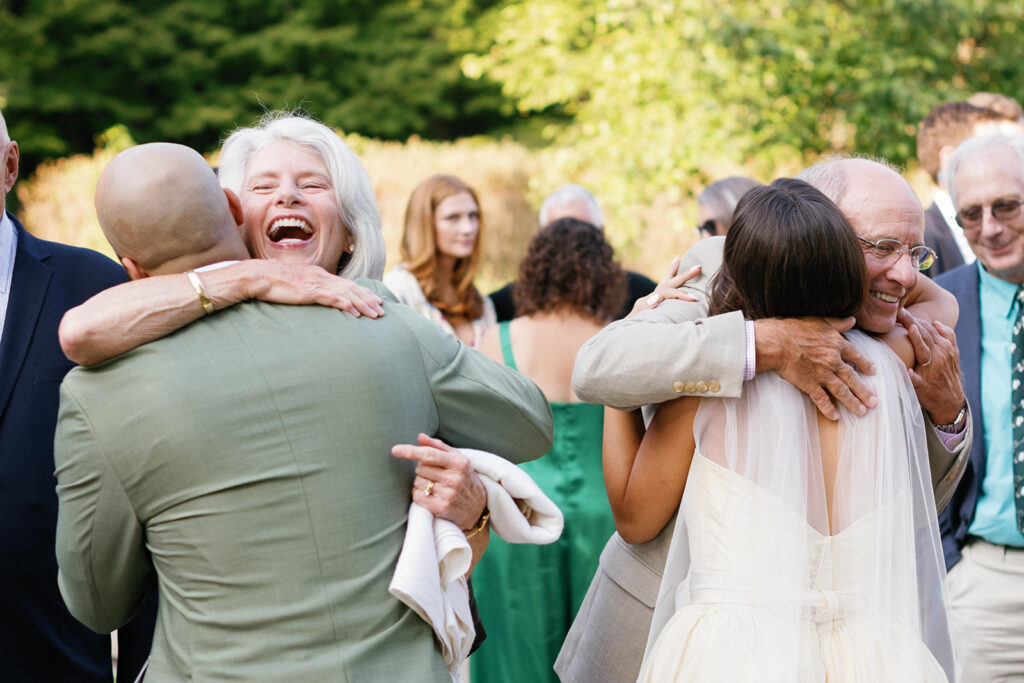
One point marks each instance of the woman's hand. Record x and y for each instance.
(288, 283)
(670, 287)
(445, 483)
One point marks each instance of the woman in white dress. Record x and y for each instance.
(440, 256)
(805, 550)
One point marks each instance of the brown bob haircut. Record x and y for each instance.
(569, 264)
(790, 252)
(419, 249)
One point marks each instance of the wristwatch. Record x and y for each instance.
(957, 425)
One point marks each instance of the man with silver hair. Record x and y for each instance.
(676, 350)
(983, 527)
(573, 201)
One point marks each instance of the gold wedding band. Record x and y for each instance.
(429, 490)
(924, 365)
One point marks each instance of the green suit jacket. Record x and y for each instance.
(244, 464)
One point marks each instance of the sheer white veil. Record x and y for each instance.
(871, 565)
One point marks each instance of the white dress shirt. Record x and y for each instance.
(945, 204)
(8, 243)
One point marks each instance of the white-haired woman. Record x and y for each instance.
(310, 213)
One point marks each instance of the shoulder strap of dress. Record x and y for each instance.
(506, 344)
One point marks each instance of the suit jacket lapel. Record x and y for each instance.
(968, 335)
(29, 283)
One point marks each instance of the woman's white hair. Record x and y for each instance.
(352, 187)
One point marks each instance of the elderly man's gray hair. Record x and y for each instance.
(829, 176)
(970, 146)
(570, 193)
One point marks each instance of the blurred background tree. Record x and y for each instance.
(645, 101)
(191, 70)
(665, 95)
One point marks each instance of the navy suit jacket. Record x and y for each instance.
(39, 639)
(939, 237)
(962, 282)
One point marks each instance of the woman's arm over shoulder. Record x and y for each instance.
(645, 474)
(930, 302)
(129, 315)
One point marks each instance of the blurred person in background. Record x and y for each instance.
(574, 201)
(569, 287)
(441, 254)
(715, 205)
(1001, 104)
(946, 126)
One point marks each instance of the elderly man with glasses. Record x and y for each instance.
(983, 527)
(676, 350)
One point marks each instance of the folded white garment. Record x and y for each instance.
(430, 576)
(520, 512)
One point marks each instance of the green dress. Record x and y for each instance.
(528, 595)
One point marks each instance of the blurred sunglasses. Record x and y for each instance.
(709, 227)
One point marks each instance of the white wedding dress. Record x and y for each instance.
(765, 583)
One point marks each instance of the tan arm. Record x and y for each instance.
(645, 474)
(129, 315)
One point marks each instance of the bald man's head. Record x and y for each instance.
(161, 207)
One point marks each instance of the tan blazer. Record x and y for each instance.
(244, 465)
(695, 356)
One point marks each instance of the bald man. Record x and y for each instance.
(243, 463)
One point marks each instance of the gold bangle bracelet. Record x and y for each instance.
(479, 527)
(197, 284)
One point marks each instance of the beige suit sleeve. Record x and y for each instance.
(947, 466)
(670, 351)
(104, 569)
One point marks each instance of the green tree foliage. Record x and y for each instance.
(190, 70)
(663, 94)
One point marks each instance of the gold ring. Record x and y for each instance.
(429, 490)
(924, 365)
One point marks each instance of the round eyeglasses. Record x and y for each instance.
(921, 257)
(1001, 209)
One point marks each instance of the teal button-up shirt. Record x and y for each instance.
(995, 516)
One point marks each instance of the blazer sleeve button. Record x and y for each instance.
(702, 387)
(713, 385)
(678, 386)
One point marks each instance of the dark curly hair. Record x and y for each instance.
(569, 264)
(790, 252)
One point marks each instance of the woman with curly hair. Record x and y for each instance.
(569, 287)
(440, 257)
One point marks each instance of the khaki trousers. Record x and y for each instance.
(986, 604)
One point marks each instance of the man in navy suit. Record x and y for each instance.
(981, 527)
(39, 639)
